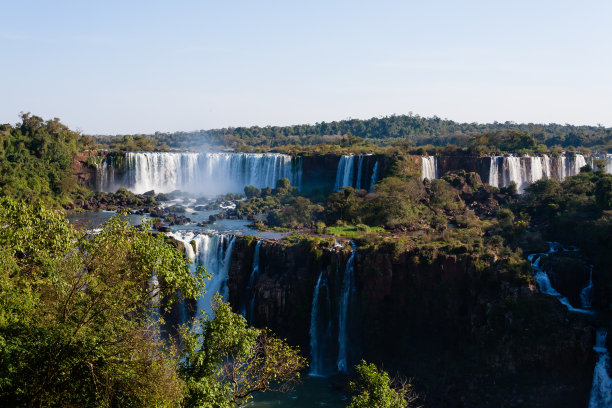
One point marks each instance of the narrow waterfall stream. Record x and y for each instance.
(344, 173)
(374, 178)
(249, 311)
(320, 327)
(601, 390)
(343, 313)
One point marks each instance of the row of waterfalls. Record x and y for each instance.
(523, 170)
(601, 389)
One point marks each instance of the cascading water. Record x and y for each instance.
(343, 314)
(320, 327)
(586, 295)
(359, 171)
(213, 252)
(344, 174)
(206, 173)
(525, 170)
(250, 314)
(374, 178)
(544, 281)
(429, 167)
(601, 390)
(494, 172)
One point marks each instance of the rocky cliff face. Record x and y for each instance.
(469, 337)
(85, 167)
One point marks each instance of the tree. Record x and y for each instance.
(374, 388)
(78, 323)
(225, 361)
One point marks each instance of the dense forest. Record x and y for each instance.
(409, 129)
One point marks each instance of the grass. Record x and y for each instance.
(351, 231)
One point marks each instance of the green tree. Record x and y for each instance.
(78, 323)
(374, 388)
(225, 361)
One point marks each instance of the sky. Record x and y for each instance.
(116, 67)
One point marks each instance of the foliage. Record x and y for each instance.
(355, 134)
(225, 361)
(77, 319)
(36, 159)
(374, 388)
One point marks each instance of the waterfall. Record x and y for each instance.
(345, 298)
(601, 390)
(607, 158)
(359, 171)
(373, 180)
(543, 280)
(529, 169)
(207, 173)
(320, 327)
(586, 295)
(494, 172)
(213, 252)
(429, 167)
(344, 174)
(252, 279)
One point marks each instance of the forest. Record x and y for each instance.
(411, 130)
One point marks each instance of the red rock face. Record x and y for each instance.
(457, 329)
(84, 174)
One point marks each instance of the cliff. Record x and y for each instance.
(470, 337)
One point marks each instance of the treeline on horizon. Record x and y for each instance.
(412, 130)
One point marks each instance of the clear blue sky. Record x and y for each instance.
(141, 66)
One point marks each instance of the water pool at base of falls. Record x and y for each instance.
(312, 392)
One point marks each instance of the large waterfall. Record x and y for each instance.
(429, 167)
(213, 252)
(360, 174)
(203, 173)
(525, 170)
(343, 313)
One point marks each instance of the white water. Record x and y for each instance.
(525, 170)
(252, 279)
(320, 329)
(601, 390)
(204, 173)
(345, 299)
(374, 178)
(429, 167)
(544, 281)
(213, 252)
(607, 158)
(345, 173)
